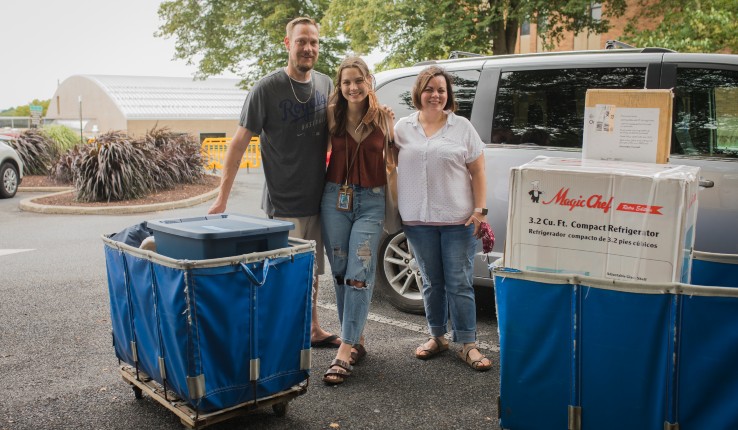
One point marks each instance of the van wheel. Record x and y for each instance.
(9, 180)
(399, 276)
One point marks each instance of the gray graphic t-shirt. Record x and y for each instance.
(293, 139)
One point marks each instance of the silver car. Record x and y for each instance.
(527, 105)
(11, 168)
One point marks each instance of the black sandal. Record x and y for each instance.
(337, 376)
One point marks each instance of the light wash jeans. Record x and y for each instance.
(351, 241)
(445, 255)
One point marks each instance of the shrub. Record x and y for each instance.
(62, 170)
(115, 168)
(63, 138)
(34, 149)
(179, 157)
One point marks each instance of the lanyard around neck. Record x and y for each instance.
(353, 159)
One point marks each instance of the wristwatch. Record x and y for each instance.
(482, 211)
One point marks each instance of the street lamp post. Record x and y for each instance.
(81, 137)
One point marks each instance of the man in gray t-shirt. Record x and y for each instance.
(287, 109)
(290, 118)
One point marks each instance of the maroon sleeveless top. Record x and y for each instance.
(368, 169)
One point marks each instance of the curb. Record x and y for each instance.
(43, 189)
(30, 206)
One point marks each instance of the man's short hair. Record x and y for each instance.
(301, 20)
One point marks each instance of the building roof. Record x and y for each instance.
(154, 97)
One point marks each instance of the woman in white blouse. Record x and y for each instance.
(441, 196)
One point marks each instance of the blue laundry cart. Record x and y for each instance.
(708, 345)
(212, 338)
(578, 352)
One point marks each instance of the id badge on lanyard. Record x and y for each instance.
(345, 198)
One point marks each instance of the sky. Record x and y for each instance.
(48, 41)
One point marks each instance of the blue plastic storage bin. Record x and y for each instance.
(218, 236)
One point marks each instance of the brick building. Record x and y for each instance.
(528, 40)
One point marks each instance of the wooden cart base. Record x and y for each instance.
(189, 416)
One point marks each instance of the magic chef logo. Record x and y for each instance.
(535, 193)
(593, 201)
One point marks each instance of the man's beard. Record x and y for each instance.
(303, 68)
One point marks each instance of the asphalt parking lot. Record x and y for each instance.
(58, 369)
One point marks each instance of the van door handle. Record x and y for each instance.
(706, 183)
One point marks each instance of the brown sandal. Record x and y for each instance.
(338, 375)
(424, 353)
(474, 364)
(357, 355)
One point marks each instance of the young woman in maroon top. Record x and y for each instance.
(352, 208)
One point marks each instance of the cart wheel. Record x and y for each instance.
(280, 409)
(137, 392)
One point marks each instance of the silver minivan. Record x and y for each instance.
(527, 105)
(11, 168)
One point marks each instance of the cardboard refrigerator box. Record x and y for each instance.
(627, 125)
(617, 220)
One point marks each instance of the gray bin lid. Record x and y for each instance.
(219, 226)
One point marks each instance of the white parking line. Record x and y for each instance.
(13, 251)
(407, 325)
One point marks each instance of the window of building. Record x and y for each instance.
(525, 28)
(204, 136)
(596, 11)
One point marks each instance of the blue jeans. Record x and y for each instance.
(445, 255)
(351, 240)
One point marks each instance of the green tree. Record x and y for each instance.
(25, 110)
(245, 37)
(686, 25)
(416, 30)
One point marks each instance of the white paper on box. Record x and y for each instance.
(617, 220)
(612, 131)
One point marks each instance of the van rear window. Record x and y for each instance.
(546, 107)
(706, 113)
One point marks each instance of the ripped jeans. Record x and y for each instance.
(351, 240)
